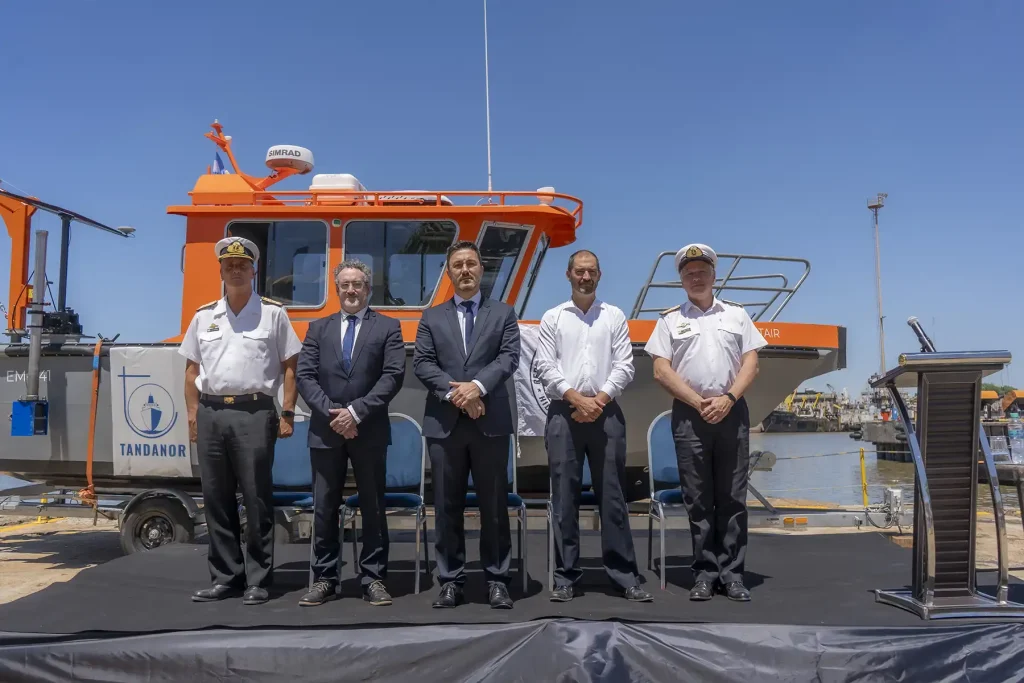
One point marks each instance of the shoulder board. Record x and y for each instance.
(207, 306)
(733, 303)
(270, 301)
(669, 310)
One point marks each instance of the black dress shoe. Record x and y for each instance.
(254, 595)
(498, 596)
(376, 594)
(638, 594)
(319, 593)
(734, 590)
(562, 594)
(451, 595)
(702, 591)
(218, 591)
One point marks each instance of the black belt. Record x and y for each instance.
(236, 399)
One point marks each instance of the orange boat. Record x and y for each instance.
(403, 236)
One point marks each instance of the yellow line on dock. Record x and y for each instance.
(25, 525)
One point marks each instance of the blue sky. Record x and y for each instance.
(755, 127)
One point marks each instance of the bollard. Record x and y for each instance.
(863, 479)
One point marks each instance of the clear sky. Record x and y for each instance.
(756, 127)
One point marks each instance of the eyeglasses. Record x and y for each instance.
(356, 285)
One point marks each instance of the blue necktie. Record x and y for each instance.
(468, 305)
(346, 345)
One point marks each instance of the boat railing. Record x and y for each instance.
(774, 287)
(333, 197)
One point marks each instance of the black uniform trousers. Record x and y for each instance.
(713, 461)
(330, 468)
(465, 450)
(236, 450)
(603, 443)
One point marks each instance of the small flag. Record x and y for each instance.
(218, 165)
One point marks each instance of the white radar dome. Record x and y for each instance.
(290, 156)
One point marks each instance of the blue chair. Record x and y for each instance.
(405, 465)
(663, 467)
(588, 500)
(515, 503)
(292, 468)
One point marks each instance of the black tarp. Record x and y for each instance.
(531, 652)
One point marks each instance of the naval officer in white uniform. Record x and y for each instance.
(705, 357)
(236, 349)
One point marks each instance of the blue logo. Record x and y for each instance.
(149, 409)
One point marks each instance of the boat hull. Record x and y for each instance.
(59, 458)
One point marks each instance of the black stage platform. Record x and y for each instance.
(813, 618)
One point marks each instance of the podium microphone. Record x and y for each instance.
(926, 344)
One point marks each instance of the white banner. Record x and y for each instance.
(532, 401)
(150, 424)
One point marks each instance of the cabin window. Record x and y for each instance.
(406, 258)
(536, 261)
(500, 248)
(293, 260)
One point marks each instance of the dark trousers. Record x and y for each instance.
(713, 461)
(330, 467)
(603, 443)
(236, 450)
(452, 459)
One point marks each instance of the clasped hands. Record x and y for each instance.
(588, 408)
(714, 410)
(466, 397)
(343, 423)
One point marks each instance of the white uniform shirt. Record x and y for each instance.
(355, 335)
(705, 347)
(240, 354)
(589, 352)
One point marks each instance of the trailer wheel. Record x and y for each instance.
(155, 522)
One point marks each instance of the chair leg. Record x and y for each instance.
(661, 526)
(418, 529)
(522, 548)
(650, 540)
(551, 550)
(355, 550)
(312, 559)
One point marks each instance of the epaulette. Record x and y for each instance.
(270, 301)
(209, 305)
(732, 303)
(669, 310)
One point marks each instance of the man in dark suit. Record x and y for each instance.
(351, 366)
(466, 349)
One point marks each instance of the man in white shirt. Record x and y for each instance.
(584, 361)
(705, 357)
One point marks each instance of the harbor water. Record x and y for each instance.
(825, 468)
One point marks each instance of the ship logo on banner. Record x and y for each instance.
(531, 399)
(150, 436)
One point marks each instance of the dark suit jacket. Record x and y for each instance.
(493, 357)
(378, 370)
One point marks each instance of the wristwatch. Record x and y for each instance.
(287, 413)
(731, 397)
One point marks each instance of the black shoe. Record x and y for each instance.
(376, 594)
(734, 590)
(218, 591)
(562, 594)
(319, 593)
(254, 595)
(498, 596)
(702, 591)
(451, 595)
(638, 594)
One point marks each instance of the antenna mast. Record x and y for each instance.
(487, 90)
(874, 205)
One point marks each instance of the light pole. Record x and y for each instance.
(874, 205)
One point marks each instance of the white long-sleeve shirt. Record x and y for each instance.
(589, 352)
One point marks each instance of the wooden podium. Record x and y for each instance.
(944, 446)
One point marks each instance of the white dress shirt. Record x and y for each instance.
(355, 335)
(705, 347)
(586, 351)
(240, 354)
(460, 310)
